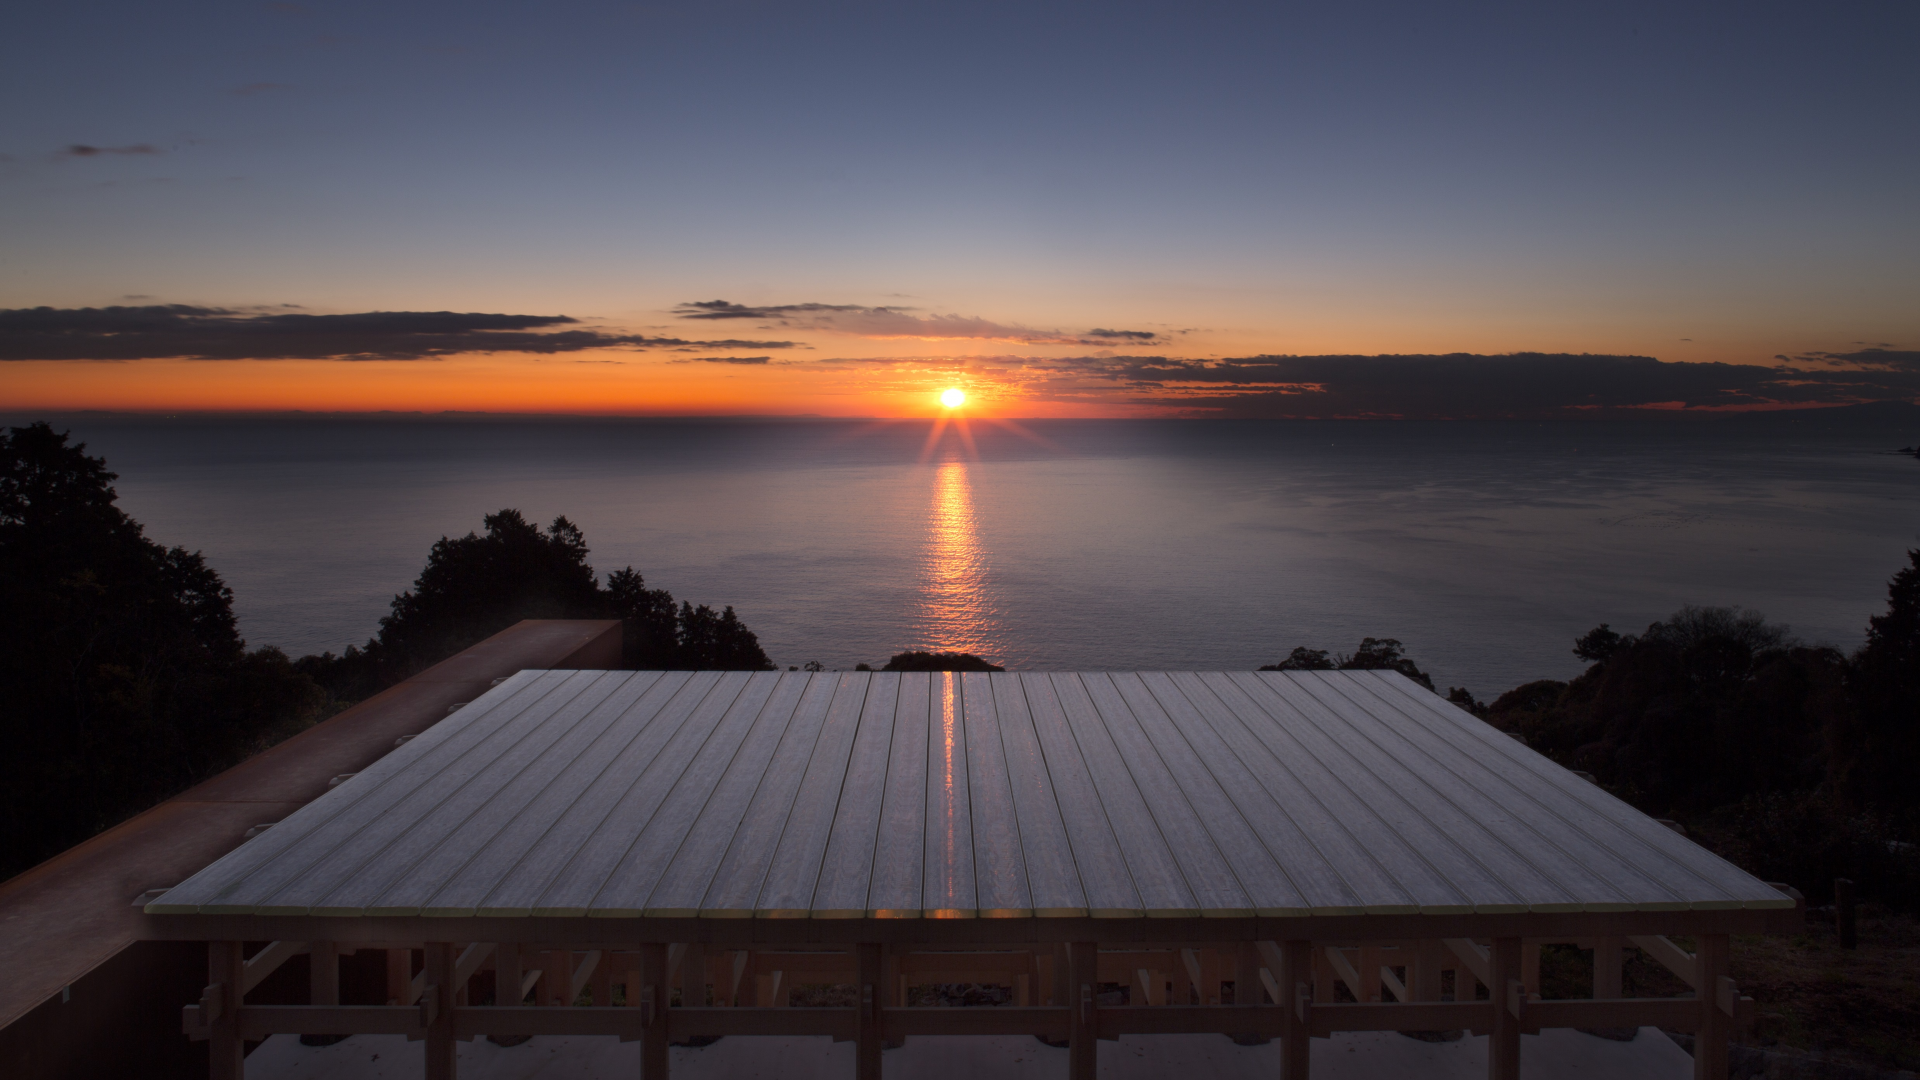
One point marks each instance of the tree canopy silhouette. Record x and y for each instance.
(915, 660)
(126, 680)
(1374, 654)
(477, 585)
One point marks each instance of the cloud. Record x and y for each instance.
(1451, 386)
(83, 150)
(724, 360)
(721, 309)
(902, 323)
(1511, 385)
(203, 333)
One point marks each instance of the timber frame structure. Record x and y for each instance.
(664, 856)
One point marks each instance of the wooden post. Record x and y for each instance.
(870, 1037)
(1423, 975)
(1846, 913)
(1710, 1051)
(1530, 966)
(1503, 1047)
(653, 1003)
(1608, 964)
(226, 966)
(1063, 992)
(1246, 979)
(399, 975)
(507, 973)
(436, 1006)
(1083, 1029)
(1295, 979)
(1370, 960)
(693, 976)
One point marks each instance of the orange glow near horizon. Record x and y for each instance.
(613, 383)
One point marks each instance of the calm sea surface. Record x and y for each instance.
(1485, 547)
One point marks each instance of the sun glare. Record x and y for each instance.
(953, 397)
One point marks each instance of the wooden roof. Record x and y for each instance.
(630, 794)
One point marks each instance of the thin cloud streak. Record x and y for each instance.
(901, 323)
(159, 331)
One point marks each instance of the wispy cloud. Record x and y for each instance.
(904, 323)
(723, 360)
(82, 150)
(180, 330)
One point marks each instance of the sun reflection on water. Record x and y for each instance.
(955, 611)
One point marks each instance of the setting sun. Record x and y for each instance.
(953, 397)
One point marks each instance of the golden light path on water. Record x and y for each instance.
(955, 614)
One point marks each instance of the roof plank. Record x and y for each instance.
(1053, 875)
(846, 869)
(999, 863)
(735, 884)
(787, 881)
(900, 851)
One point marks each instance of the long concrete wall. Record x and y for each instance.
(82, 995)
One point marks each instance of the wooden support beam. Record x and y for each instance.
(1423, 975)
(1503, 1047)
(656, 1033)
(1672, 957)
(577, 981)
(1474, 956)
(736, 968)
(871, 1036)
(1673, 1014)
(1393, 984)
(1530, 965)
(220, 1002)
(507, 974)
(399, 976)
(1345, 970)
(472, 959)
(1476, 1016)
(436, 1010)
(260, 1021)
(1083, 1029)
(1369, 969)
(1246, 979)
(693, 977)
(1294, 974)
(1608, 967)
(323, 974)
(266, 962)
(1716, 1006)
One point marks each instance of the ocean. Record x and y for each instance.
(1485, 547)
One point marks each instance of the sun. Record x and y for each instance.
(953, 397)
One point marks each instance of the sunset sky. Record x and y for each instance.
(1069, 210)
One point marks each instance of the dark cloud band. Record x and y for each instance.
(180, 330)
(1512, 385)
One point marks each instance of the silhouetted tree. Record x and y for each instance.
(1703, 709)
(476, 585)
(938, 661)
(1876, 752)
(1374, 654)
(1303, 659)
(125, 678)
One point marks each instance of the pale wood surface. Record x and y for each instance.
(936, 795)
